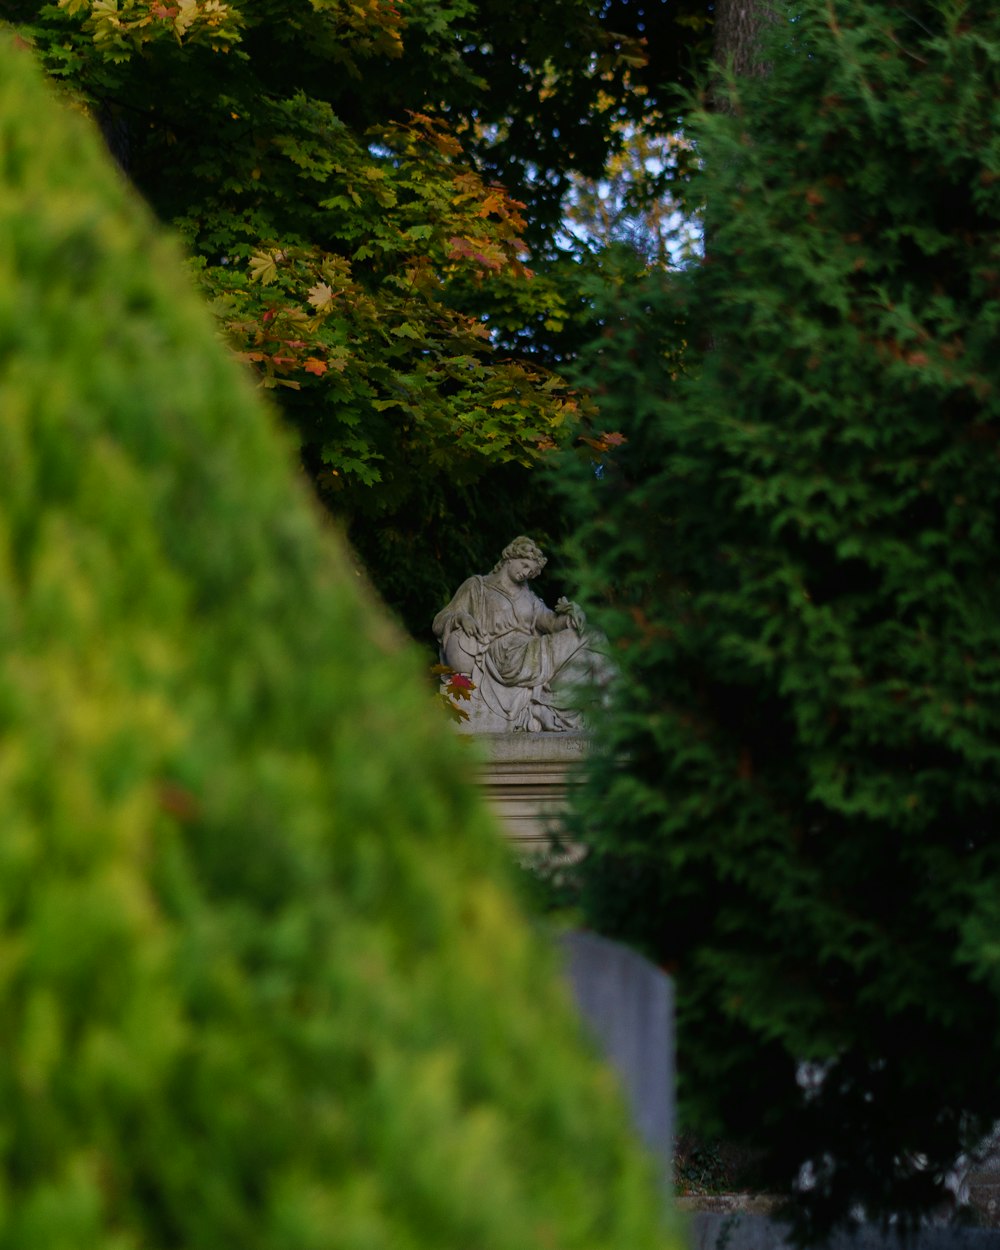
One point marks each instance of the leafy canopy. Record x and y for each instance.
(342, 230)
(356, 183)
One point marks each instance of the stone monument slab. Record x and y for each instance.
(628, 1004)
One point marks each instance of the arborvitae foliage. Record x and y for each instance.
(263, 980)
(800, 812)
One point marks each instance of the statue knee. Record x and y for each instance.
(454, 654)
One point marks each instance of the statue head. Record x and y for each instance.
(522, 548)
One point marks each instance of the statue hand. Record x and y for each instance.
(468, 625)
(575, 613)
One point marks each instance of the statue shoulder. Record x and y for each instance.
(472, 587)
(466, 599)
(538, 606)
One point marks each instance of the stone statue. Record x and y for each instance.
(530, 664)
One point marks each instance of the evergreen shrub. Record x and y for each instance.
(796, 551)
(264, 982)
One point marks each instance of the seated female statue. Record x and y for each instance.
(531, 665)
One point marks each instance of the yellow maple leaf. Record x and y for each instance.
(262, 268)
(321, 296)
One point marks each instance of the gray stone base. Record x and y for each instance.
(526, 779)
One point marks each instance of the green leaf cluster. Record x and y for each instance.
(264, 982)
(796, 549)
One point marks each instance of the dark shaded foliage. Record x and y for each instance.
(796, 550)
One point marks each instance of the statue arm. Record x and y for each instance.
(459, 627)
(464, 613)
(566, 615)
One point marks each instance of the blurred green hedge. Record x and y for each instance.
(263, 981)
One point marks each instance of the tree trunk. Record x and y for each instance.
(738, 28)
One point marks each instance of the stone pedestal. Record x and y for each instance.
(526, 779)
(626, 1003)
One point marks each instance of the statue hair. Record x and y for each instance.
(522, 548)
